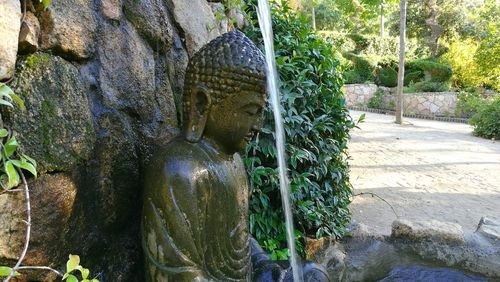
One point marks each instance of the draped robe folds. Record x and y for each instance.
(194, 225)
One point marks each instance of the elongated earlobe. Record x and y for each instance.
(199, 107)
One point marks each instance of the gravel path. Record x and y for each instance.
(425, 170)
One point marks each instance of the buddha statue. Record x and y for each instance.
(195, 214)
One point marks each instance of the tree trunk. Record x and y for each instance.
(401, 71)
(382, 20)
(436, 28)
(313, 19)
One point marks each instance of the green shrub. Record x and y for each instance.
(433, 71)
(426, 86)
(316, 124)
(486, 121)
(387, 77)
(360, 42)
(362, 69)
(460, 57)
(377, 101)
(468, 104)
(413, 76)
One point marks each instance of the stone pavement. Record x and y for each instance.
(425, 170)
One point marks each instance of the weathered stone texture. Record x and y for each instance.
(200, 27)
(432, 230)
(10, 24)
(56, 129)
(30, 32)
(52, 200)
(111, 9)
(365, 256)
(68, 27)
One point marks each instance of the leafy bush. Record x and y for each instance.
(360, 42)
(427, 86)
(487, 58)
(468, 104)
(433, 71)
(362, 69)
(413, 76)
(316, 124)
(486, 121)
(387, 77)
(460, 57)
(377, 101)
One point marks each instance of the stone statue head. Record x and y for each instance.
(225, 92)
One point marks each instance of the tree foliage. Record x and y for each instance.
(316, 126)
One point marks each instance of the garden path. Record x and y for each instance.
(425, 170)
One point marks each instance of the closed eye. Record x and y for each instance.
(252, 109)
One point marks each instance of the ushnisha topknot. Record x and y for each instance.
(226, 65)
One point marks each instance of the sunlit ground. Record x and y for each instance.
(425, 169)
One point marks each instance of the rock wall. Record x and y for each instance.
(426, 104)
(101, 81)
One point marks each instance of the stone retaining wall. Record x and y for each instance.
(426, 104)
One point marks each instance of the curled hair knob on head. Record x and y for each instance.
(223, 66)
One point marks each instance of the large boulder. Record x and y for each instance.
(68, 28)
(200, 27)
(52, 200)
(433, 230)
(10, 24)
(56, 129)
(30, 32)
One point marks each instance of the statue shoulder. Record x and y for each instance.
(179, 157)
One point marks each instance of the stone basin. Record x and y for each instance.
(415, 251)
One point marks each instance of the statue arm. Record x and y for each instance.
(170, 220)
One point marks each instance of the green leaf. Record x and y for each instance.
(18, 101)
(73, 263)
(10, 146)
(5, 103)
(5, 271)
(95, 280)
(30, 160)
(23, 164)
(3, 132)
(85, 273)
(71, 278)
(13, 176)
(5, 91)
(46, 3)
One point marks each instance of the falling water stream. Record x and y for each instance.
(264, 15)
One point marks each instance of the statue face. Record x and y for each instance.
(232, 123)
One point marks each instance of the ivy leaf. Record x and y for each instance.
(10, 146)
(73, 263)
(71, 278)
(5, 271)
(29, 159)
(23, 164)
(18, 101)
(12, 174)
(46, 3)
(3, 132)
(5, 90)
(85, 273)
(5, 103)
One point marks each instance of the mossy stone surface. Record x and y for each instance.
(56, 129)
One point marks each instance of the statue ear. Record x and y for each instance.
(200, 104)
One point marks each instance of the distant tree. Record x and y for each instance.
(401, 70)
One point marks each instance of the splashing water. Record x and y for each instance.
(264, 16)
